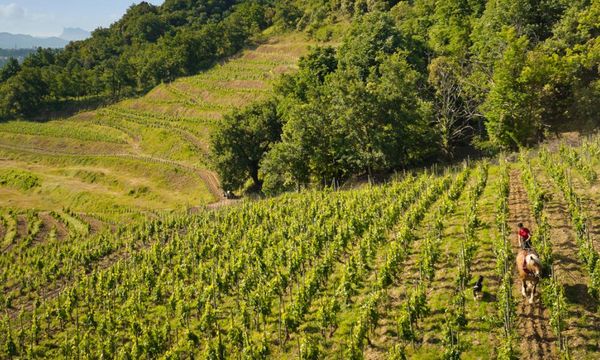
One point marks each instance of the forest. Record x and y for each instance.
(418, 81)
(147, 46)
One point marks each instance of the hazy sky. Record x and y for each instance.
(49, 17)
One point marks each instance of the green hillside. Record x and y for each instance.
(384, 151)
(143, 154)
(375, 272)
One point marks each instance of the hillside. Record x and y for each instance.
(116, 241)
(376, 272)
(24, 42)
(143, 154)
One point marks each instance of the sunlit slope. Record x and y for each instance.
(373, 272)
(148, 153)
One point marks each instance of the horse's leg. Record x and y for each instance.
(523, 288)
(534, 283)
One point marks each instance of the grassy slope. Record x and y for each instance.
(145, 154)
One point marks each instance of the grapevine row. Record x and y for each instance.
(579, 219)
(552, 291)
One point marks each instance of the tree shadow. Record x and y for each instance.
(578, 294)
(489, 297)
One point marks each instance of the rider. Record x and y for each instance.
(524, 237)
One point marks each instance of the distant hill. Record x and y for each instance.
(19, 41)
(75, 34)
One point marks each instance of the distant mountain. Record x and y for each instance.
(18, 41)
(75, 34)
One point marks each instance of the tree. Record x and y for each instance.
(352, 127)
(376, 122)
(368, 41)
(512, 118)
(307, 152)
(306, 82)
(533, 19)
(451, 29)
(148, 28)
(150, 44)
(456, 111)
(242, 140)
(23, 94)
(286, 15)
(9, 70)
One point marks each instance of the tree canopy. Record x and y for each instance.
(148, 45)
(415, 80)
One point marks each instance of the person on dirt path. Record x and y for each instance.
(524, 237)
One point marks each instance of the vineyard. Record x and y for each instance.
(382, 272)
(140, 155)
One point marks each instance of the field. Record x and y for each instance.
(141, 156)
(376, 272)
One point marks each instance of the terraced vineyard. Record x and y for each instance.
(141, 155)
(375, 272)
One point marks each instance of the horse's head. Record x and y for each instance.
(534, 265)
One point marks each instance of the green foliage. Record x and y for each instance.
(367, 43)
(10, 69)
(287, 15)
(451, 341)
(512, 121)
(504, 263)
(579, 218)
(359, 112)
(242, 140)
(410, 80)
(451, 28)
(304, 85)
(497, 76)
(62, 130)
(263, 279)
(22, 93)
(19, 179)
(397, 352)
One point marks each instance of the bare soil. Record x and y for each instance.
(95, 224)
(21, 226)
(49, 222)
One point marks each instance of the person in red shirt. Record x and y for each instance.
(524, 237)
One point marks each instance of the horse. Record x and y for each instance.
(529, 267)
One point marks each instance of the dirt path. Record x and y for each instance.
(21, 227)
(533, 326)
(583, 322)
